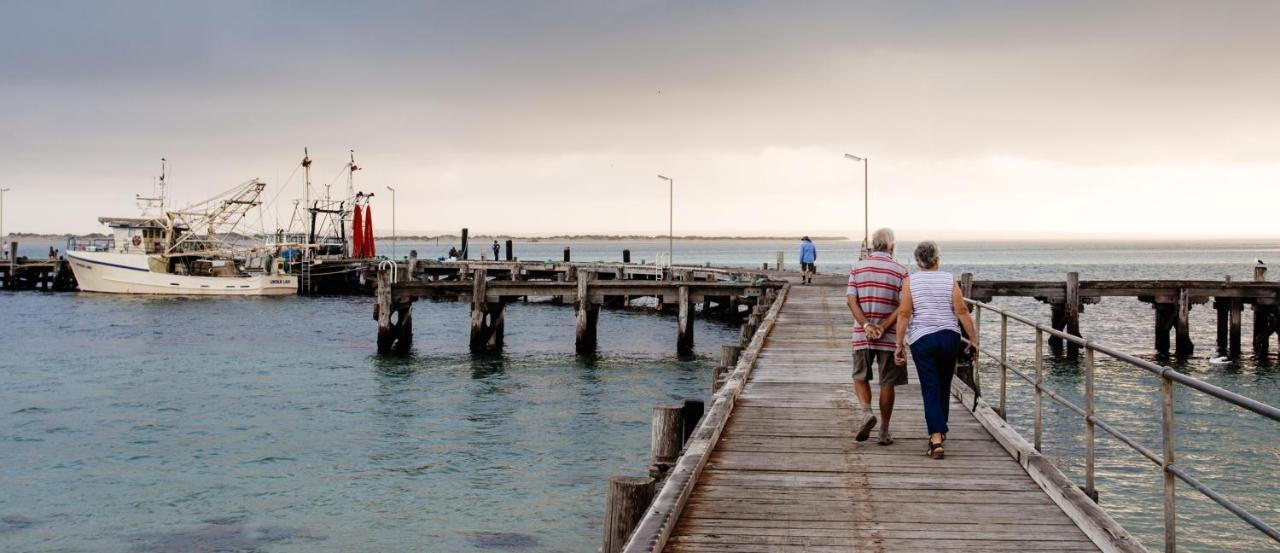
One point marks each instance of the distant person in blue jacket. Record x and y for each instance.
(808, 255)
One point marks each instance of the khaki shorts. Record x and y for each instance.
(891, 374)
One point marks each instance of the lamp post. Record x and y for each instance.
(6, 244)
(671, 207)
(393, 222)
(866, 209)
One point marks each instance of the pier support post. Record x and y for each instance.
(1184, 347)
(588, 315)
(684, 331)
(1073, 308)
(487, 318)
(1223, 307)
(729, 356)
(666, 435)
(1233, 330)
(1263, 326)
(692, 412)
(11, 278)
(718, 376)
(1166, 316)
(625, 504)
(393, 336)
(1057, 321)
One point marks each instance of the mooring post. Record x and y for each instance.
(1183, 347)
(729, 356)
(479, 288)
(626, 256)
(684, 330)
(625, 504)
(462, 252)
(718, 376)
(567, 257)
(497, 324)
(665, 438)
(382, 312)
(12, 278)
(966, 285)
(511, 253)
(780, 265)
(588, 315)
(1073, 309)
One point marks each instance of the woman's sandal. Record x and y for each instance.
(935, 450)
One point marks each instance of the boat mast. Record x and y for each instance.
(306, 195)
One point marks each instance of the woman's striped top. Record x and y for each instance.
(931, 308)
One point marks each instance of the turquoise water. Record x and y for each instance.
(141, 425)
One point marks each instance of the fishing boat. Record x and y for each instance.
(191, 251)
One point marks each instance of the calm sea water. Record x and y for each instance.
(147, 424)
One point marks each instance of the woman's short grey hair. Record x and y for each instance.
(882, 240)
(927, 254)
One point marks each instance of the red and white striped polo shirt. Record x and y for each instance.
(877, 283)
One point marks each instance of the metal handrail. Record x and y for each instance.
(395, 270)
(1168, 376)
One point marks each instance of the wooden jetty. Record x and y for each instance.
(490, 285)
(774, 467)
(1172, 301)
(22, 273)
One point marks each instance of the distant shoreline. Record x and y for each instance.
(20, 236)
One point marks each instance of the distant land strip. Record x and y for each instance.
(20, 236)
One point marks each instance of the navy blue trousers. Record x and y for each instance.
(935, 356)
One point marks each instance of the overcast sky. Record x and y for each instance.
(994, 119)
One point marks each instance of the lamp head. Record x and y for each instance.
(664, 178)
(854, 158)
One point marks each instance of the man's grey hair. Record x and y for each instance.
(927, 254)
(882, 240)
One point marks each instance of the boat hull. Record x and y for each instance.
(115, 273)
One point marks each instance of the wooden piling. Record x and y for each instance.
(588, 315)
(729, 356)
(1233, 330)
(625, 504)
(382, 312)
(11, 279)
(567, 257)
(496, 325)
(666, 438)
(479, 336)
(1166, 316)
(1183, 346)
(684, 331)
(1223, 307)
(718, 376)
(780, 265)
(626, 256)
(1072, 311)
(511, 255)
(966, 285)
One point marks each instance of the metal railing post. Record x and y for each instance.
(1004, 364)
(977, 329)
(1039, 383)
(1090, 446)
(1170, 498)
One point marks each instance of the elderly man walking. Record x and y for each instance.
(875, 289)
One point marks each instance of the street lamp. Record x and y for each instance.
(671, 205)
(393, 222)
(6, 244)
(866, 210)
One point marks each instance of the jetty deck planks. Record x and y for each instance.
(786, 474)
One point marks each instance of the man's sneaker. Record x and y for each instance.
(864, 429)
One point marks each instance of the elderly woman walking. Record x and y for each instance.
(932, 311)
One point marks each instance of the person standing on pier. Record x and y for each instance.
(875, 288)
(808, 255)
(932, 313)
(496, 250)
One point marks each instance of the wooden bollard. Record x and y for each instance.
(779, 261)
(511, 254)
(625, 504)
(1259, 272)
(566, 254)
(626, 256)
(666, 436)
(764, 266)
(729, 356)
(718, 377)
